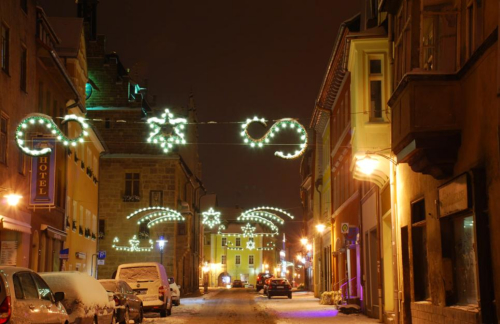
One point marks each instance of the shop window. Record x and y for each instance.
(459, 260)
(419, 247)
(4, 122)
(5, 55)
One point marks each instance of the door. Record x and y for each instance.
(405, 254)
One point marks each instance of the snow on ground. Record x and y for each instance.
(304, 308)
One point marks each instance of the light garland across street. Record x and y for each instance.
(36, 119)
(280, 125)
(167, 131)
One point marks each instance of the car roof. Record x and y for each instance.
(10, 270)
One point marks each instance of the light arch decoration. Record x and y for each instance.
(36, 119)
(278, 126)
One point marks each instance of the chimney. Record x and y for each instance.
(87, 9)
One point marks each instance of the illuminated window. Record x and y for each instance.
(376, 89)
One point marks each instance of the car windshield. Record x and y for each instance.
(279, 282)
(139, 273)
(109, 285)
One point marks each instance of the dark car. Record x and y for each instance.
(279, 287)
(237, 284)
(128, 305)
(266, 284)
(261, 278)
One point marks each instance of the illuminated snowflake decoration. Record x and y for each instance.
(133, 245)
(36, 119)
(167, 131)
(250, 244)
(280, 125)
(211, 218)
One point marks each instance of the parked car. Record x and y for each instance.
(86, 301)
(266, 284)
(150, 282)
(261, 277)
(127, 305)
(175, 290)
(25, 298)
(279, 287)
(237, 284)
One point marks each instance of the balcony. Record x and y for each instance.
(426, 118)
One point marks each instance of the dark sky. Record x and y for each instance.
(240, 58)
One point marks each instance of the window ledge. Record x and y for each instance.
(375, 123)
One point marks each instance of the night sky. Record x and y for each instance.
(239, 59)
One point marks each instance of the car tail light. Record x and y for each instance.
(5, 310)
(117, 301)
(161, 290)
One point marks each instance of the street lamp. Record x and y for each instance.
(320, 228)
(13, 199)
(303, 241)
(161, 244)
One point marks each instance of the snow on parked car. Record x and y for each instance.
(86, 299)
(176, 291)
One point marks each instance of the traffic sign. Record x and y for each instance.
(344, 228)
(101, 255)
(100, 262)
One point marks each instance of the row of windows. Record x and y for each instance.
(88, 222)
(237, 259)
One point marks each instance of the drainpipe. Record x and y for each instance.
(317, 184)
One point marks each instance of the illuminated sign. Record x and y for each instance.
(43, 173)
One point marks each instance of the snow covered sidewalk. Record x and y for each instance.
(305, 308)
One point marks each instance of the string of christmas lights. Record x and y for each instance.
(167, 131)
(134, 245)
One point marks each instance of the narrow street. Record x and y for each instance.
(226, 306)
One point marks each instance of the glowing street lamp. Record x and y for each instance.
(320, 228)
(13, 199)
(309, 247)
(303, 241)
(161, 244)
(367, 165)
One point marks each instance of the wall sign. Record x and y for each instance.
(8, 253)
(453, 197)
(43, 173)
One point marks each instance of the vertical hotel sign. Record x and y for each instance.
(43, 173)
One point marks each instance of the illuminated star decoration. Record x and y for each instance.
(250, 244)
(44, 120)
(167, 131)
(248, 230)
(282, 124)
(211, 218)
(134, 245)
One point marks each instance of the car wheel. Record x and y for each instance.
(177, 302)
(126, 316)
(163, 313)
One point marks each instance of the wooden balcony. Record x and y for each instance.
(426, 118)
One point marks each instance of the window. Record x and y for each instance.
(419, 246)
(4, 121)
(250, 259)
(223, 259)
(75, 213)
(238, 260)
(43, 288)
(94, 226)
(238, 241)
(459, 260)
(132, 181)
(80, 225)
(102, 226)
(27, 288)
(24, 66)
(143, 231)
(439, 35)
(376, 89)
(5, 48)
(224, 241)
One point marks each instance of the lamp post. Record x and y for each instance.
(161, 244)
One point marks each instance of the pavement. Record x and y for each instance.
(237, 305)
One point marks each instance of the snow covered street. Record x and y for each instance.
(229, 306)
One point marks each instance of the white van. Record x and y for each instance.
(150, 282)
